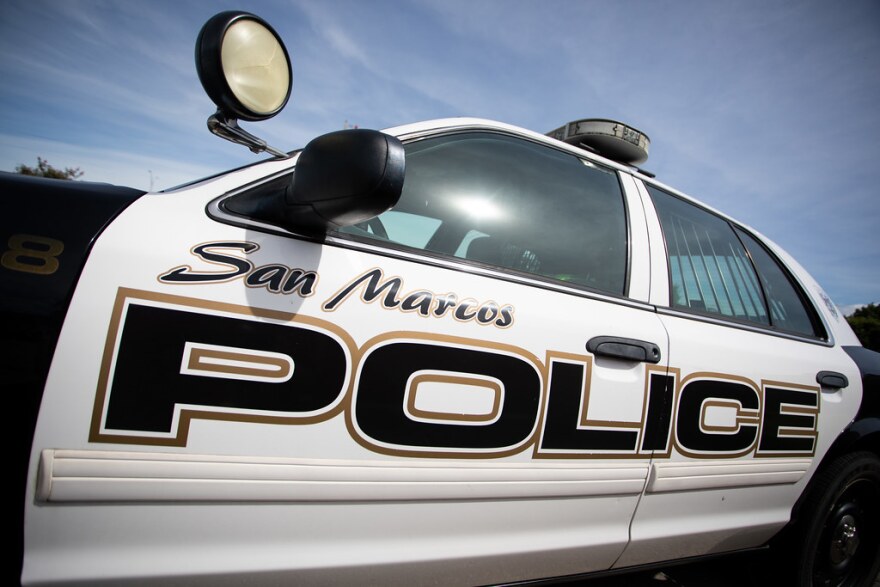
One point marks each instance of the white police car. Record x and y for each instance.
(455, 352)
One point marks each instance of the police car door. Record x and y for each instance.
(746, 347)
(464, 378)
(506, 259)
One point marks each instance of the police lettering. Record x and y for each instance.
(171, 360)
(386, 376)
(158, 380)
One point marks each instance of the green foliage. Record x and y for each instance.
(866, 324)
(44, 169)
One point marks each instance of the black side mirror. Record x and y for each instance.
(343, 178)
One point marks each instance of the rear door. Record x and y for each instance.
(750, 420)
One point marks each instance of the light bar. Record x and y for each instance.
(609, 138)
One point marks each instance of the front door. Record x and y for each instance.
(471, 382)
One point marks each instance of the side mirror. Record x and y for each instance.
(343, 178)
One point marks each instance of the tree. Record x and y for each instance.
(866, 324)
(44, 169)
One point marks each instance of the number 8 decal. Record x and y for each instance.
(32, 254)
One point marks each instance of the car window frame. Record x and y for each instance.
(824, 338)
(634, 209)
(398, 250)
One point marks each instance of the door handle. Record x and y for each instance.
(628, 349)
(832, 379)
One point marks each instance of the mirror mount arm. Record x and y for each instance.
(227, 128)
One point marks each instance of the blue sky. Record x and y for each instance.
(766, 110)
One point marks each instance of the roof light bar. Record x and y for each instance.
(609, 138)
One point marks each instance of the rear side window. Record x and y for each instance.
(718, 269)
(786, 305)
(709, 268)
(512, 204)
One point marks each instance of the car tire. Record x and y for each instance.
(837, 541)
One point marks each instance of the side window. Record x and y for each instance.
(718, 269)
(787, 308)
(512, 204)
(710, 271)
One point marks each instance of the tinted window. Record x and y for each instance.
(709, 268)
(716, 268)
(787, 309)
(513, 204)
